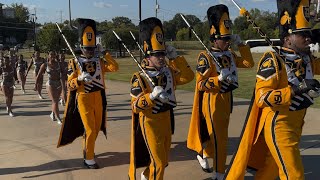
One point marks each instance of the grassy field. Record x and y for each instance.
(246, 76)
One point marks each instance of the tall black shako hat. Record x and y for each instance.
(219, 21)
(87, 32)
(294, 16)
(151, 36)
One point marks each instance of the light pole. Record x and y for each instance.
(34, 18)
(70, 14)
(157, 7)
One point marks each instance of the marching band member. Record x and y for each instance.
(152, 106)
(213, 100)
(285, 88)
(85, 113)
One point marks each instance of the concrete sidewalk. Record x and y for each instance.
(28, 141)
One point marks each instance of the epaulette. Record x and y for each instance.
(71, 66)
(269, 66)
(137, 85)
(203, 64)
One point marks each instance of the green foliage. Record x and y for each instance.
(192, 45)
(122, 22)
(49, 38)
(267, 21)
(122, 26)
(202, 30)
(110, 41)
(104, 26)
(21, 12)
(171, 27)
(183, 34)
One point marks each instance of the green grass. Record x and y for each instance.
(246, 76)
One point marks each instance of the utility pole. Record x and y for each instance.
(157, 8)
(34, 19)
(70, 14)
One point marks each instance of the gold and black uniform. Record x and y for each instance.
(213, 102)
(85, 113)
(272, 131)
(153, 120)
(270, 139)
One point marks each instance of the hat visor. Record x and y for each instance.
(158, 52)
(306, 32)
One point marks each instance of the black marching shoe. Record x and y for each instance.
(91, 166)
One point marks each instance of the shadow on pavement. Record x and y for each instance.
(180, 152)
(107, 159)
(119, 118)
(32, 113)
(241, 103)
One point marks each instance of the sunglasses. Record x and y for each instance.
(89, 48)
(225, 38)
(157, 54)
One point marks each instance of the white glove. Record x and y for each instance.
(235, 39)
(86, 77)
(157, 90)
(224, 73)
(164, 97)
(171, 52)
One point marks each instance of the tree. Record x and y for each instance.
(122, 22)
(173, 26)
(268, 22)
(104, 26)
(49, 38)
(122, 26)
(21, 12)
(183, 34)
(111, 42)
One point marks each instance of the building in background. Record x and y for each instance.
(8, 12)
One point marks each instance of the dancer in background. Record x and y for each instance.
(7, 71)
(21, 67)
(64, 77)
(53, 85)
(37, 61)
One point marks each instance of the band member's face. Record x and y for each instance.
(21, 57)
(222, 44)
(300, 42)
(157, 60)
(88, 51)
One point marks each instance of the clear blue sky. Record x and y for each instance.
(100, 10)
